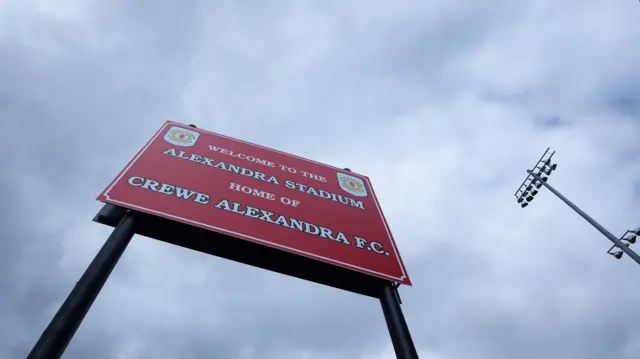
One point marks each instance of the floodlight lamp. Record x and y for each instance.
(552, 165)
(547, 171)
(617, 254)
(538, 184)
(631, 239)
(520, 199)
(545, 178)
(636, 231)
(529, 198)
(529, 187)
(524, 204)
(534, 192)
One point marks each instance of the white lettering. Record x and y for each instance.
(168, 189)
(202, 198)
(285, 168)
(281, 220)
(224, 204)
(297, 224)
(326, 233)
(377, 247)
(266, 216)
(252, 191)
(184, 193)
(152, 185)
(342, 238)
(264, 163)
(252, 212)
(323, 194)
(314, 176)
(221, 165)
(170, 152)
(132, 179)
(360, 242)
(242, 156)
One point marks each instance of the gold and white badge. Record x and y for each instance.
(181, 137)
(352, 185)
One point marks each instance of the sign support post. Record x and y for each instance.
(56, 337)
(398, 329)
(397, 325)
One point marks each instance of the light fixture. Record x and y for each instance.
(529, 198)
(552, 166)
(534, 192)
(617, 254)
(545, 170)
(538, 184)
(631, 239)
(520, 199)
(545, 178)
(636, 231)
(524, 204)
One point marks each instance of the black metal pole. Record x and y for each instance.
(55, 338)
(398, 329)
(591, 221)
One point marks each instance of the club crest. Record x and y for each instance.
(181, 137)
(352, 185)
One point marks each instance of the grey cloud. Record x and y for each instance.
(423, 97)
(629, 105)
(550, 122)
(84, 101)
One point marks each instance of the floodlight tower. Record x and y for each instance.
(538, 177)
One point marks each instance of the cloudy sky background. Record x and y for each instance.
(444, 104)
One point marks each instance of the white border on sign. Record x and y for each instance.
(254, 239)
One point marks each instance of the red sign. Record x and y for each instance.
(261, 195)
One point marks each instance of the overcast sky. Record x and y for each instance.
(444, 104)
